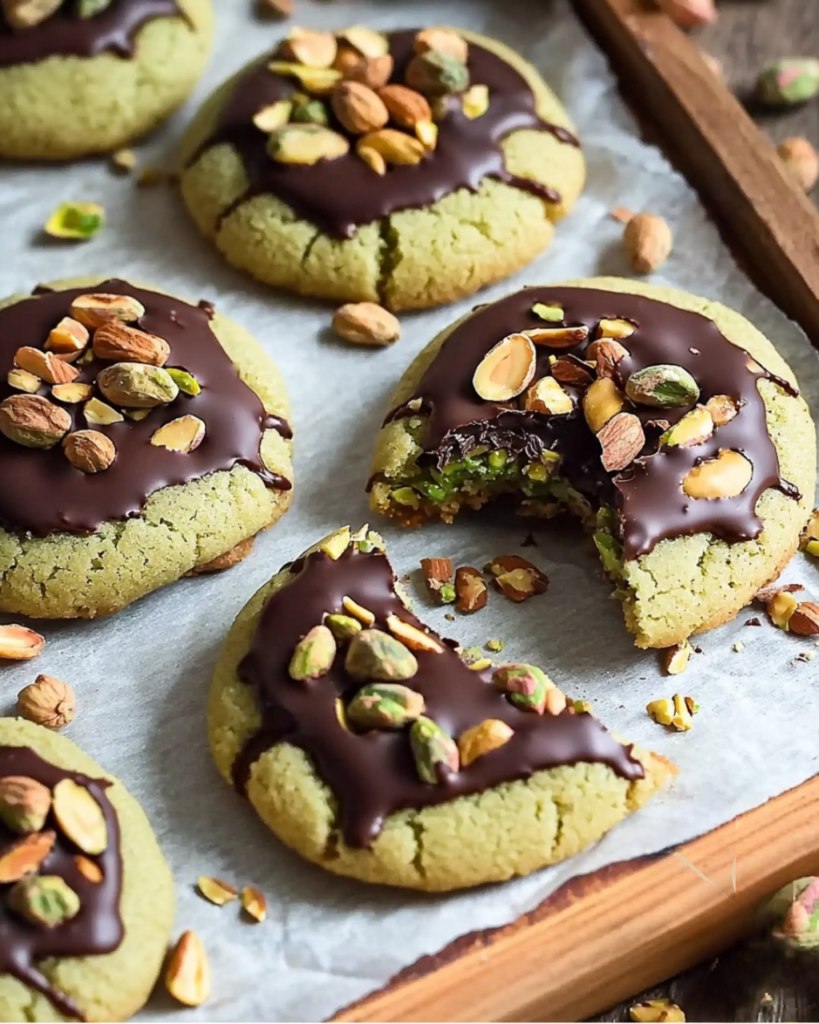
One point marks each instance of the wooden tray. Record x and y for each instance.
(604, 936)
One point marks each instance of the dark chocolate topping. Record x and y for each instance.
(97, 928)
(373, 774)
(648, 495)
(339, 195)
(65, 34)
(50, 495)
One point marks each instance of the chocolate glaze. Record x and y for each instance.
(65, 34)
(648, 495)
(339, 195)
(98, 928)
(373, 774)
(50, 495)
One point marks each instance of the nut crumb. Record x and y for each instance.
(738, 646)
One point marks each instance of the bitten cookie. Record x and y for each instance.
(142, 438)
(86, 898)
(666, 422)
(409, 169)
(366, 743)
(87, 76)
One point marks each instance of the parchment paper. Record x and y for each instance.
(142, 677)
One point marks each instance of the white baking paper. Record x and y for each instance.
(142, 677)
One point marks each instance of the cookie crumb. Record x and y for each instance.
(123, 161)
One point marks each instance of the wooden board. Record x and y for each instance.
(605, 936)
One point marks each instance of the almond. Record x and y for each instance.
(607, 354)
(372, 71)
(69, 337)
(100, 308)
(396, 147)
(48, 702)
(558, 337)
(622, 440)
(310, 48)
(45, 365)
(118, 343)
(33, 421)
(366, 41)
(437, 573)
(187, 976)
(19, 643)
(366, 323)
(442, 40)
(506, 370)
(89, 451)
(358, 107)
(647, 241)
(406, 106)
(471, 590)
(805, 619)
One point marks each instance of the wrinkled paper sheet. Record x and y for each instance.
(142, 677)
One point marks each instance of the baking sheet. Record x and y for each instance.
(142, 678)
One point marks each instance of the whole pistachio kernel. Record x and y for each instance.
(662, 386)
(343, 627)
(314, 655)
(376, 656)
(24, 803)
(186, 382)
(385, 706)
(75, 221)
(137, 385)
(45, 900)
(435, 752)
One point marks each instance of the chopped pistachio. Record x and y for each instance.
(76, 221)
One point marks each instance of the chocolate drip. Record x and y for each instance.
(98, 928)
(49, 495)
(373, 774)
(340, 195)
(65, 34)
(649, 494)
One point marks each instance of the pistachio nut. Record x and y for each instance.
(343, 627)
(725, 476)
(435, 752)
(385, 706)
(550, 312)
(377, 656)
(25, 855)
(100, 414)
(314, 655)
(434, 74)
(662, 385)
(789, 81)
(526, 685)
(506, 370)
(475, 101)
(482, 739)
(23, 380)
(306, 144)
(75, 221)
(601, 402)
(99, 308)
(442, 40)
(68, 338)
(137, 385)
(80, 817)
(694, 428)
(24, 803)
(45, 900)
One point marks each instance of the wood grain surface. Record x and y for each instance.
(755, 981)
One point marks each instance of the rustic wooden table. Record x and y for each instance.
(755, 981)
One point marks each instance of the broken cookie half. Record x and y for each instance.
(367, 744)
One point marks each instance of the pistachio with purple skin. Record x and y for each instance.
(435, 751)
(374, 655)
(796, 914)
(525, 684)
(789, 81)
(385, 706)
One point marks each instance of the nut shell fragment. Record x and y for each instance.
(19, 643)
(48, 702)
(187, 976)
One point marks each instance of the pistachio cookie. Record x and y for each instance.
(86, 898)
(366, 743)
(87, 76)
(142, 438)
(666, 422)
(409, 169)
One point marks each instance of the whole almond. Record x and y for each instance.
(358, 107)
(406, 106)
(647, 241)
(19, 643)
(372, 71)
(366, 323)
(119, 343)
(33, 421)
(100, 308)
(622, 440)
(89, 451)
(442, 40)
(45, 365)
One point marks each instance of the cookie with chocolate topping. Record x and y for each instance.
(366, 743)
(86, 898)
(409, 169)
(667, 423)
(79, 77)
(142, 438)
